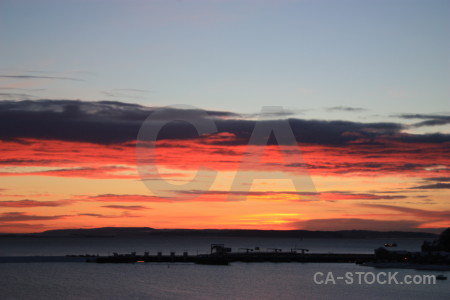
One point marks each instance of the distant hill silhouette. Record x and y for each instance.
(147, 231)
(102, 232)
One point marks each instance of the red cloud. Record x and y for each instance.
(74, 159)
(34, 203)
(127, 198)
(126, 207)
(20, 217)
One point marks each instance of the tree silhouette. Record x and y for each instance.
(444, 240)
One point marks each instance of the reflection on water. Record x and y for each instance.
(189, 281)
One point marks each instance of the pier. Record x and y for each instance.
(221, 255)
(240, 257)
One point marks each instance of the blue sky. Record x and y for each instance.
(387, 57)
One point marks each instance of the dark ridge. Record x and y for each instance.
(99, 232)
(147, 231)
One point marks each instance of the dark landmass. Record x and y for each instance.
(147, 231)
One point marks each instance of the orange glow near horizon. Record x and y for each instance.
(51, 184)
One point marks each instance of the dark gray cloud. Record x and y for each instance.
(20, 216)
(22, 225)
(132, 90)
(119, 95)
(39, 77)
(34, 203)
(315, 131)
(430, 120)
(437, 179)
(382, 167)
(345, 108)
(103, 122)
(21, 89)
(439, 185)
(125, 93)
(272, 114)
(109, 122)
(442, 215)
(123, 198)
(15, 96)
(122, 207)
(94, 215)
(432, 138)
(124, 214)
(19, 162)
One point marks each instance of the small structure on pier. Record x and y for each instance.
(219, 249)
(294, 250)
(247, 250)
(276, 250)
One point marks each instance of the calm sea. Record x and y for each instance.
(190, 281)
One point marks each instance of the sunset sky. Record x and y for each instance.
(364, 85)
